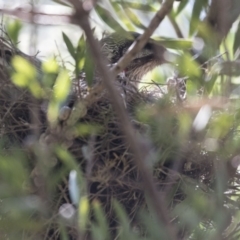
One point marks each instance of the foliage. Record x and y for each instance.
(66, 170)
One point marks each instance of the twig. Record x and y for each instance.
(81, 18)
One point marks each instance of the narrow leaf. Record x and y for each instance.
(134, 18)
(236, 44)
(181, 6)
(107, 17)
(69, 45)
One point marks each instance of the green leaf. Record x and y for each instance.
(25, 75)
(80, 55)
(188, 67)
(125, 232)
(62, 86)
(62, 3)
(236, 44)
(50, 66)
(197, 9)
(69, 45)
(21, 65)
(107, 17)
(137, 5)
(123, 19)
(179, 44)
(83, 213)
(181, 6)
(101, 221)
(89, 68)
(134, 18)
(13, 29)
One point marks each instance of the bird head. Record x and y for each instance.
(116, 45)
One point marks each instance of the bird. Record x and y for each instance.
(115, 45)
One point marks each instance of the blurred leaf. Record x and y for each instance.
(229, 68)
(13, 173)
(89, 68)
(107, 17)
(178, 44)
(137, 5)
(101, 222)
(188, 67)
(50, 66)
(70, 163)
(80, 55)
(134, 18)
(154, 229)
(52, 113)
(125, 232)
(13, 29)
(122, 17)
(236, 44)
(62, 86)
(24, 67)
(21, 204)
(78, 112)
(220, 125)
(61, 2)
(197, 9)
(64, 233)
(69, 45)
(86, 129)
(97, 232)
(25, 75)
(181, 6)
(83, 213)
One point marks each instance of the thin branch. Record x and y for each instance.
(37, 17)
(81, 18)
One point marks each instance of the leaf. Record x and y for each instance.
(179, 44)
(21, 65)
(236, 43)
(89, 68)
(25, 75)
(62, 86)
(137, 5)
(134, 18)
(188, 67)
(125, 232)
(50, 66)
(69, 45)
(197, 9)
(13, 29)
(107, 17)
(80, 55)
(181, 6)
(101, 220)
(83, 211)
(62, 3)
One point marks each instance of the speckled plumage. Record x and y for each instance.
(116, 45)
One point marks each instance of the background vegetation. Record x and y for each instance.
(169, 170)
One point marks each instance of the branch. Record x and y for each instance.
(142, 40)
(81, 18)
(38, 17)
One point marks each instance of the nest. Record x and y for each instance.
(103, 155)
